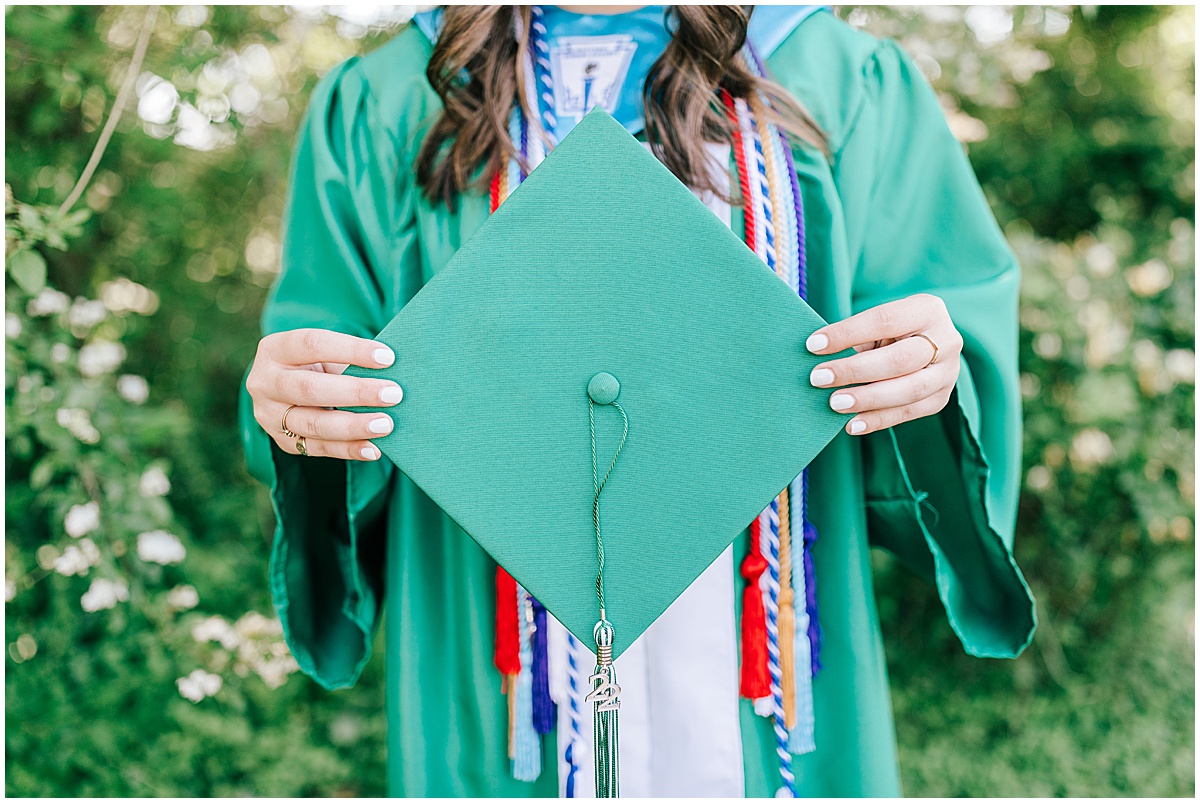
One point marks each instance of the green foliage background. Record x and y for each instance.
(1080, 123)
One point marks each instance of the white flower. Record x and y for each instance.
(255, 625)
(192, 16)
(210, 629)
(157, 99)
(104, 594)
(12, 326)
(1181, 364)
(72, 561)
(78, 422)
(198, 685)
(991, 24)
(48, 302)
(86, 313)
(122, 295)
(154, 482)
(160, 546)
(133, 388)
(183, 597)
(100, 357)
(60, 352)
(1091, 447)
(91, 552)
(244, 97)
(1149, 278)
(196, 130)
(275, 672)
(10, 590)
(82, 519)
(214, 628)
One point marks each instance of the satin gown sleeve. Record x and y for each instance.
(942, 490)
(342, 249)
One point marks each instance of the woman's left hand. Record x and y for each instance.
(895, 379)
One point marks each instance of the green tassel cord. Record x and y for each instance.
(603, 390)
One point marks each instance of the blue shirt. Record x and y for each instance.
(603, 59)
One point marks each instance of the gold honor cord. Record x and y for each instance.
(605, 692)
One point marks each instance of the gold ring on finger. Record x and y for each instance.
(300, 446)
(929, 340)
(283, 426)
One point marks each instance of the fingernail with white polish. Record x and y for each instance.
(821, 377)
(840, 401)
(380, 425)
(857, 427)
(369, 453)
(816, 342)
(384, 356)
(392, 394)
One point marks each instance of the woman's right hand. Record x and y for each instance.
(303, 367)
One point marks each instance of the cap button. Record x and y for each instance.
(604, 388)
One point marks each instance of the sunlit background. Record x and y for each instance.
(143, 655)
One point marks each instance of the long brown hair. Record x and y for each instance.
(476, 69)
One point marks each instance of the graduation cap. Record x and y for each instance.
(604, 387)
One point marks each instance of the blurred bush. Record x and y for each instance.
(1080, 123)
(142, 655)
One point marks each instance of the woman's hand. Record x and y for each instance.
(895, 380)
(303, 368)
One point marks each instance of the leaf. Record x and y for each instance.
(29, 217)
(77, 218)
(28, 270)
(43, 472)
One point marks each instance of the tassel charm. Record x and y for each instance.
(605, 697)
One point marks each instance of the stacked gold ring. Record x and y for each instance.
(301, 446)
(929, 340)
(283, 426)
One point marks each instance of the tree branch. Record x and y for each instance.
(110, 125)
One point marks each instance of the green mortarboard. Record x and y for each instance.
(602, 263)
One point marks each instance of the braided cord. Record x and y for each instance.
(780, 727)
(598, 486)
(544, 84)
(575, 696)
(739, 157)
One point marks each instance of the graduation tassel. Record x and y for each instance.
(527, 744)
(507, 655)
(801, 738)
(810, 593)
(607, 705)
(603, 389)
(755, 681)
(545, 712)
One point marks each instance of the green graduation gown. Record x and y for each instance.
(895, 211)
